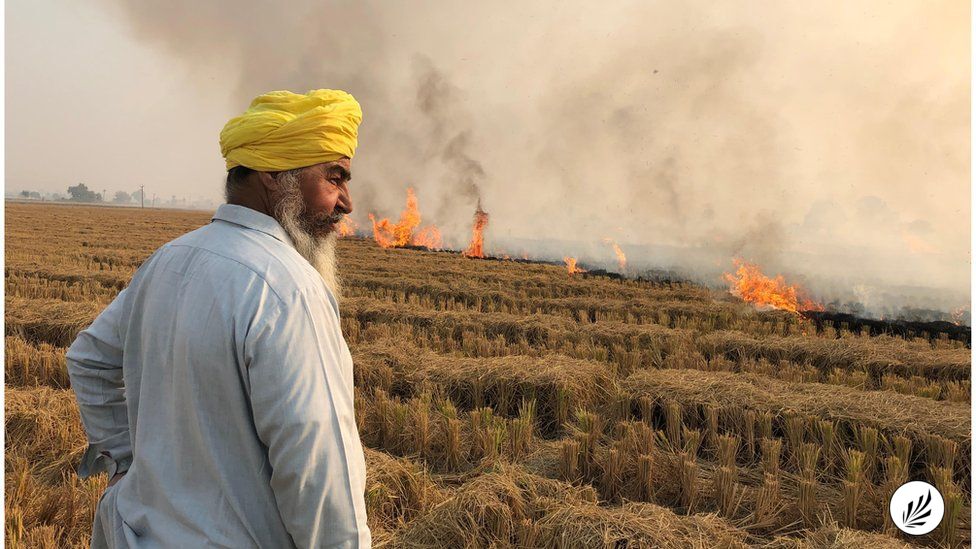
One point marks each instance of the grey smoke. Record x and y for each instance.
(812, 138)
(448, 136)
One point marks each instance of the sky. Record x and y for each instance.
(826, 141)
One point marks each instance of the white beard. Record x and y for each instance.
(319, 251)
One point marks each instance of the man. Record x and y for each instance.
(216, 389)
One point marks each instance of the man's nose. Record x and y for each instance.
(344, 203)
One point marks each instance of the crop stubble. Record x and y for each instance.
(510, 404)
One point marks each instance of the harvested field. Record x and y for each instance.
(509, 404)
(849, 410)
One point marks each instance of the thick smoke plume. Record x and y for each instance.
(828, 142)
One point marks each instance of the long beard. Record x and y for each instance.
(319, 251)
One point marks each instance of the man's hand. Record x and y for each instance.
(114, 479)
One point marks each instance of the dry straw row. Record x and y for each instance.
(556, 383)
(853, 413)
(29, 365)
(638, 463)
(876, 356)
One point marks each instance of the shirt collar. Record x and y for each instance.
(251, 219)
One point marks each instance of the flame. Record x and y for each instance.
(958, 315)
(477, 246)
(571, 266)
(621, 258)
(750, 284)
(395, 235)
(917, 245)
(383, 232)
(428, 237)
(346, 227)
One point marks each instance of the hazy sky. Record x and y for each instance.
(829, 140)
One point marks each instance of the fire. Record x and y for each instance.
(571, 266)
(621, 258)
(750, 284)
(918, 245)
(390, 235)
(428, 237)
(346, 227)
(396, 235)
(958, 315)
(477, 246)
(382, 232)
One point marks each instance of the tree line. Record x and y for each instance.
(81, 193)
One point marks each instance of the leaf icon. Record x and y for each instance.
(913, 516)
(917, 521)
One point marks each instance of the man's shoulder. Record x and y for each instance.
(221, 249)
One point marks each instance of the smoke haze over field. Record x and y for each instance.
(824, 140)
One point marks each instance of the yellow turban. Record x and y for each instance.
(282, 130)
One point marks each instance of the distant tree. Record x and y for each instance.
(35, 194)
(122, 197)
(25, 194)
(137, 195)
(81, 193)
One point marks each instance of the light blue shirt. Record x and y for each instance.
(220, 380)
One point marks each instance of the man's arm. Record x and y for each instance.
(95, 369)
(303, 412)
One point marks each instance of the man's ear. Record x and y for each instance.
(269, 180)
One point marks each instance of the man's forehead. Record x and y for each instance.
(327, 169)
(344, 162)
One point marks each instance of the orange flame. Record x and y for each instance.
(571, 266)
(477, 246)
(396, 235)
(346, 227)
(383, 232)
(621, 258)
(428, 237)
(750, 284)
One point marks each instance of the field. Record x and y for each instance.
(512, 404)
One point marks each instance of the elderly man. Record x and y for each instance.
(216, 389)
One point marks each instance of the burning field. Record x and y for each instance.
(521, 404)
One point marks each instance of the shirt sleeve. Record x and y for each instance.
(94, 363)
(302, 402)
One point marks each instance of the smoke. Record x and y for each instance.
(448, 135)
(828, 142)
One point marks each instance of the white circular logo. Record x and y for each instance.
(916, 508)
